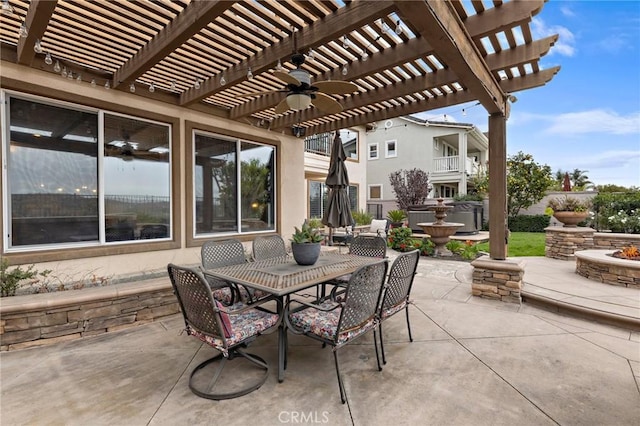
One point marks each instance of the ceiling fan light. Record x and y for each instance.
(298, 101)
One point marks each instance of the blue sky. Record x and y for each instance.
(588, 116)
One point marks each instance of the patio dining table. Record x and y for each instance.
(282, 276)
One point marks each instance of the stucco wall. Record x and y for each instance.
(290, 189)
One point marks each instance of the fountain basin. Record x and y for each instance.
(440, 234)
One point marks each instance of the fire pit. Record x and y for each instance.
(605, 267)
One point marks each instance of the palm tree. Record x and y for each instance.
(580, 180)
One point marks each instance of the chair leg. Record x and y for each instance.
(209, 392)
(408, 324)
(343, 397)
(375, 344)
(384, 359)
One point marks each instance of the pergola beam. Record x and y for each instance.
(496, 61)
(197, 15)
(439, 24)
(516, 84)
(37, 19)
(352, 16)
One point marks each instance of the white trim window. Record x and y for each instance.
(391, 148)
(375, 192)
(373, 151)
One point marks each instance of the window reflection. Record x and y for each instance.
(136, 179)
(52, 174)
(220, 188)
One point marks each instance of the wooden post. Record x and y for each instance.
(498, 187)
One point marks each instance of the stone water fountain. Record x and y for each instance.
(440, 231)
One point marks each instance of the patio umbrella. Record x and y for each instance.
(338, 212)
(566, 183)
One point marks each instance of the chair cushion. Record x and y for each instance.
(244, 325)
(226, 322)
(223, 294)
(324, 324)
(378, 227)
(386, 313)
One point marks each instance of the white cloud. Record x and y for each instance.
(594, 121)
(566, 11)
(611, 160)
(566, 41)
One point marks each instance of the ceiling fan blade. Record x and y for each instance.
(282, 107)
(326, 103)
(266, 92)
(289, 79)
(336, 87)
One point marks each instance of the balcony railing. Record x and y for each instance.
(318, 144)
(452, 164)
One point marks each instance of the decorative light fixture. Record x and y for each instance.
(37, 47)
(223, 80)
(7, 9)
(93, 82)
(345, 42)
(48, 59)
(79, 78)
(173, 85)
(56, 67)
(196, 85)
(249, 74)
(107, 85)
(64, 72)
(24, 31)
(152, 88)
(365, 55)
(279, 65)
(70, 75)
(132, 88)
(311, 54)
(345, 70)
(298, 101)
(398, 28)
(298, 131)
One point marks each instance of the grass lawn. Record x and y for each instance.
(522, 244)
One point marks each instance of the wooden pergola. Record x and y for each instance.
(405, 57)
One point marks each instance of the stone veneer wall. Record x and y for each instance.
(613, 241)
(41, 319)
(561, 243)
(498, 279)
(597, 266)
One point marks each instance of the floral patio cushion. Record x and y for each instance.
(324, 324)
(386, 313)
(243, 326)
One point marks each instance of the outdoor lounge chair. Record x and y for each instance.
(338, 323)
(378, 228)
(226, 330)
(397, 290)
(267, 247)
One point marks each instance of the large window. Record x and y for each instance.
(228, 198)
(319, 195)
(81, 176)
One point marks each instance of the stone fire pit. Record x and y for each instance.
(599, 265)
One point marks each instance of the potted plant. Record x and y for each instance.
(569, 210)
(305, 244)
(396, 217)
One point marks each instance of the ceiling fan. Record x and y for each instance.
(301, 93)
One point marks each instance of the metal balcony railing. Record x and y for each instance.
(318, 144)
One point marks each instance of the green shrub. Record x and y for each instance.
(425, 246)
(400, 239)
(467, 250)
(362, 217)
(10, 280)
(315, 223)
(617, 212)
(529, 223)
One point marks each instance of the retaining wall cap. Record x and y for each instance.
(58, 299)
(617, 236)
(600, 256)
(485, 262)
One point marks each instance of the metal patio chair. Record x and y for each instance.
(362, 245)
(338, 323)
(227, 330)
(267, 247)
(215, 254)
(397, 291)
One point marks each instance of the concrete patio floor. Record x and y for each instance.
(472, 362)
